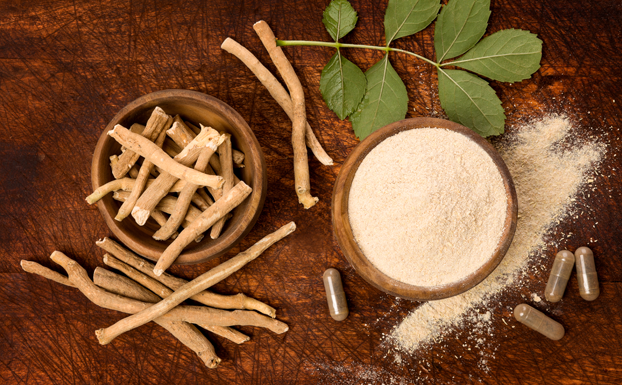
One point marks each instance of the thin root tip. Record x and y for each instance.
(227, 41)
(100, 334)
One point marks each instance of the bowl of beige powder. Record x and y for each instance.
(424, 209)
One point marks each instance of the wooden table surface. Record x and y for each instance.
(67, 67)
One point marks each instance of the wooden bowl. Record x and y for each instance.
(345, 238)
(197, 108)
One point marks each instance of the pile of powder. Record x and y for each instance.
(547, 179)
(427, 206)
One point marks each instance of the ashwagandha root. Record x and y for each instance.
(157, 122)
(226, 162)
(194, 287)
(139, 185)
(189, 336)
(140, 281)
(151, 152)
(206, 220)
(301, 163)
(166, 205)
(35, 268)
(278, 92)
(205, 202)
(152, 195)
(180, 133)
(124, 286)
(238, 156)
(121, 285)
(159, 217)
(184, 199)
(125, 184)
(237, 301)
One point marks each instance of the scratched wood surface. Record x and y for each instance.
(67, 67)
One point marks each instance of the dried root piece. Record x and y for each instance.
(238, 156)
(238, 301)
(205, 202)
(35, 268)
(278, 92)
(206, 220)
(166, 205)
(184, 199)
(157, 122)
(159, 217)
(163, 183)
(127, 184)
(139, 185)
(172, 321)
(301, 163)
(194, 287)
(226, 162)
(151, 152)
(180, 133)
(118, 284)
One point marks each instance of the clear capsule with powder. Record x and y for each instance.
(336, 297)
(560, 273)
(538, 321)
(586, 274)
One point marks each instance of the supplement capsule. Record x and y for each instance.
(586, 274)
(536, 320)
(560, 273)
(335, 295)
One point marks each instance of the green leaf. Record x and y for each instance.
(510, 55)
(342, 85)
(339, 18)
(407, 17)
(386, 100)
(470, 101)
(459, 27)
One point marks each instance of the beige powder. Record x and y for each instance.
(547, 180)
(427, 206)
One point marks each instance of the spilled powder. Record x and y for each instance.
(428, 206)
(548, 173)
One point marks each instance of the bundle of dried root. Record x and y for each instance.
(181, 158)
(140, 294)
(293, 104)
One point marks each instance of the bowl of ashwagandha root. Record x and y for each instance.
(179, 177)
(424, 209)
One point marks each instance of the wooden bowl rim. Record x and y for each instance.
(351, 250)
(258, 183)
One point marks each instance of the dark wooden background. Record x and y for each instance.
(66, 67)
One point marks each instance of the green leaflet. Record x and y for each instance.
(407, 17)
(510, 55)
(339, 18)
(470, 101)
(386, 100)
(342, 85)
(459, 27)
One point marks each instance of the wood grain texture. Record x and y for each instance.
(66, 68)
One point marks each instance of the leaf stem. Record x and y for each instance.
(284, 43)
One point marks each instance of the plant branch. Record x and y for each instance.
(285, 43)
